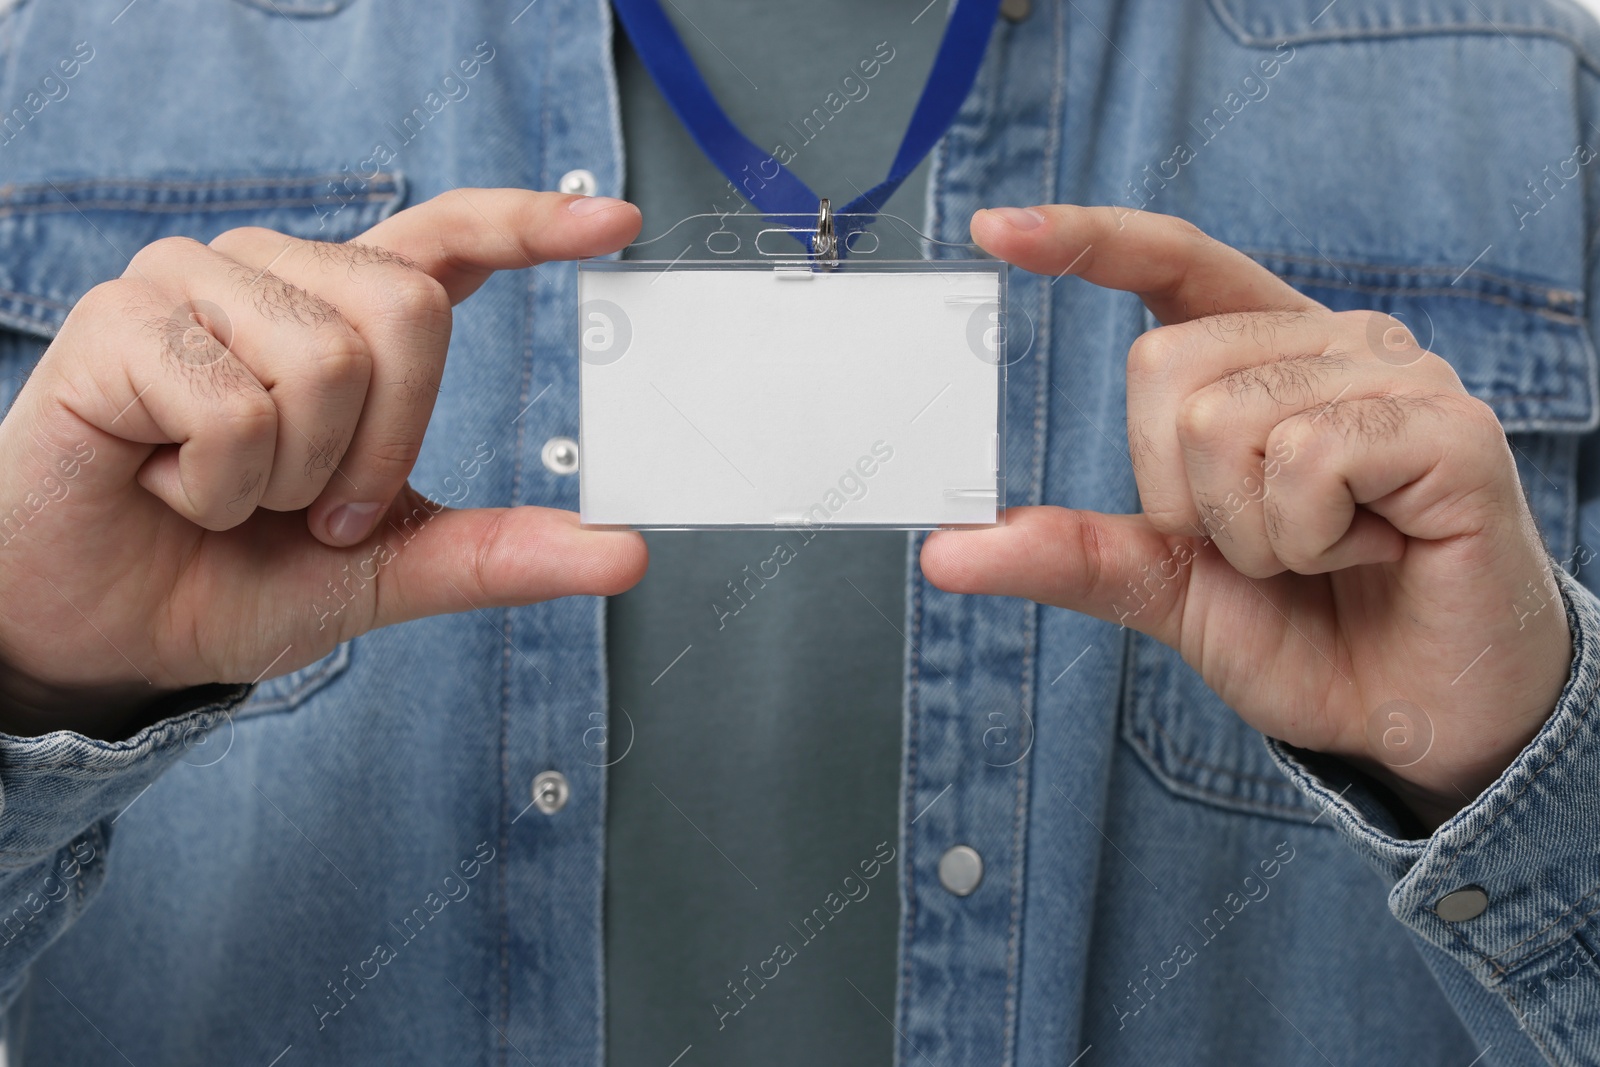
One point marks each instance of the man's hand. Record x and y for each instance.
(218, 440)
(1333, 529)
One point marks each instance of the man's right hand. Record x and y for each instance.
(215, 436)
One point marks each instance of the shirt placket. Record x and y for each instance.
(553, 716)
(972, 662)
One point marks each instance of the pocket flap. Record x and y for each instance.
(1523, 349)
(1267, 23)
(59, 239)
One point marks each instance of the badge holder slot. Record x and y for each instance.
(779, 371)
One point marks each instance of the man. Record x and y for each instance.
(396, 851)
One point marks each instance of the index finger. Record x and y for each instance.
(463, 236)
(1178, 271)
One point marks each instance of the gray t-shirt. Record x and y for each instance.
(764, 712)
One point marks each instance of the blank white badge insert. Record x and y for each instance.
(769, 397)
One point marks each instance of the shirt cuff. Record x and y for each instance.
(54, 785)
(1530, 842)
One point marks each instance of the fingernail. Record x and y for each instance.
(1021, 218)
(350, 523)
(589, 205)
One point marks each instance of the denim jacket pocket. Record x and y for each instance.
(1525, 350)
(59, 239)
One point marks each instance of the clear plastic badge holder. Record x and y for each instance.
(741, 382)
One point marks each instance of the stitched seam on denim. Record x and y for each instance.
(546, 94)
(299, 8)
(1043, 366)
(28, 298)
(1547, 425)
(1574, 906)
(907, 867)
(1467, 947)
(199, 207)
(1574, 45)
(519, 442)
(33, 858)
(1560, 317)
(1566, 296)
(1271, 783)
(1250, 39)
(210, 207)
(99, 853)
(1131, 734)
(939, 160)
(1385, 849)
(29, 322)
(1575, 729)
(1210, 796)
(1018, 832)
(331, 664)
(286, 181)
(1505, 991)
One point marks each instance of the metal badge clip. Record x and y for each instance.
(825, 246)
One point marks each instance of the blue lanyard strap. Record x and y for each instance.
(761, 179)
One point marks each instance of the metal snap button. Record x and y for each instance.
(1465, 903)
(581, 182)
(550, 792)
(960, 870)
(560, 455)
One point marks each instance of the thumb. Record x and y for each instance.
(1114, 567)
(435, 560)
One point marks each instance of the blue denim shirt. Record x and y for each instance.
(343, 865)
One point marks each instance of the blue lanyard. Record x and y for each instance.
(955, 68)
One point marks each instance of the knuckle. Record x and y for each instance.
(116, 298)
(1365, 319)
(1481, 413)
(1297, 444)
(1205, 416)
(1380, 334)
(1481, 422)
(408, 295)
(337, 354)
(248, 416)
(1155, 352)
(163, 254)
(241, 237)
(1183, 228)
